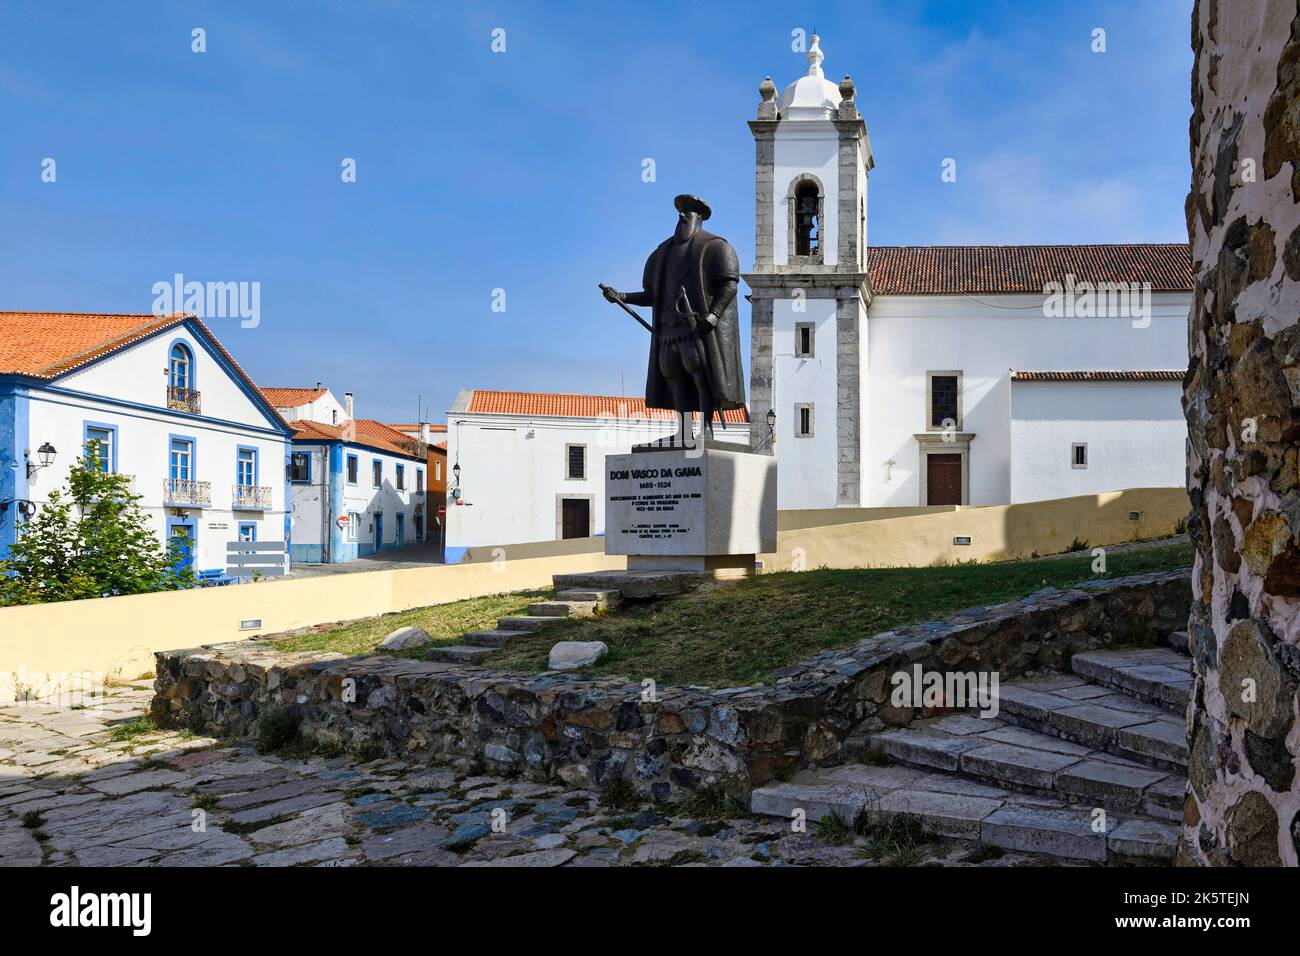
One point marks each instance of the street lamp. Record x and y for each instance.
(45, 454)
(771, 428)
(455, 473)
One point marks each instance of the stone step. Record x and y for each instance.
(634, 585)
(1097, 717)
(458, 653)
(491, 638)
(602, 597)
(951, 807)
(562, 609)
(523, 623)
(1009, 756)
(1157, 675)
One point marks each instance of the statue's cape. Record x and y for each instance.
(721, 343)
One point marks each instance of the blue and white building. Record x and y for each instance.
(169, 406)
(356, 489)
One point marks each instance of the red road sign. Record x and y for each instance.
(342, 521)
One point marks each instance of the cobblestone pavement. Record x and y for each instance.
(96, 787)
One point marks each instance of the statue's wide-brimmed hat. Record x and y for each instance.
(686, 203)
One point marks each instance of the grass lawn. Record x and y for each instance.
(739, 634)
(443, 622)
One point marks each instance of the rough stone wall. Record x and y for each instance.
(585, 731)
(1241, 396)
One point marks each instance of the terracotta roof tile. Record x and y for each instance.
(970, 270)
(291, 397)
(47, 344)
(415, 426)
(361, 431)
(562, 405)
(1147, 375)
(50, 344)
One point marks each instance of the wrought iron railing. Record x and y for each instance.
(251, 496)
(183, 399)
(180, 491)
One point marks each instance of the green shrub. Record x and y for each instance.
(278, 730)
(91, 539)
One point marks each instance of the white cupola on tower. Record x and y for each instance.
(812, 96)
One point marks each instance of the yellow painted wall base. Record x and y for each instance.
(116, 637)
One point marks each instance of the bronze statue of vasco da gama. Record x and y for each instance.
(690, 283)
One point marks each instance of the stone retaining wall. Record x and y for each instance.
(1242, 399)
(585, 731)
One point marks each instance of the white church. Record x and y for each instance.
(880, 376)
(945, 375)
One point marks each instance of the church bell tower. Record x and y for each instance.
(809, 287)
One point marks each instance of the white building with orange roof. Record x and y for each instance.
(167, 405)
(356, 489)
(313, 404)
(527, 466)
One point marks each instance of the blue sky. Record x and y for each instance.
(522, 170)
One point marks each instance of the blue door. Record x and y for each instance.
(379, 530)
(401, 530)
(182, 534)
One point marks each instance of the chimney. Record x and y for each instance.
(347, 405)
(426, 433)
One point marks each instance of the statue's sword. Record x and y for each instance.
(626, 308)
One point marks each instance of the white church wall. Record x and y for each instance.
(805, 147)
(513, 469)
(985, 338)
(1134, 432)
(806, 473)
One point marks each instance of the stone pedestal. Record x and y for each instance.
(711, 508)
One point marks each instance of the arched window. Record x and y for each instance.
(181, 375)
(808, 220)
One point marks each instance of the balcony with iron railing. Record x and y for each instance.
(183, 399)
(187, 494)
(251, 497)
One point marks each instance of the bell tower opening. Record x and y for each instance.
(808, 220)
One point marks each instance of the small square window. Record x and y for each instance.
(804, 340)
(1079, 454)
(300, 466)
(804, 420)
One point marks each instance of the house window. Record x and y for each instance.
(246, 467)
(354, 522)
(353, 468)
(803, 420)
(437, 471)
(181, 464)
(575, 464)
(803, 340)
(1079, 454)
(419, 479)
(377, 473)
(300, 467)
(401, 477)
(247, 531)
(944, 400)
(807, 227)
(102, 457)
(180, 371)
